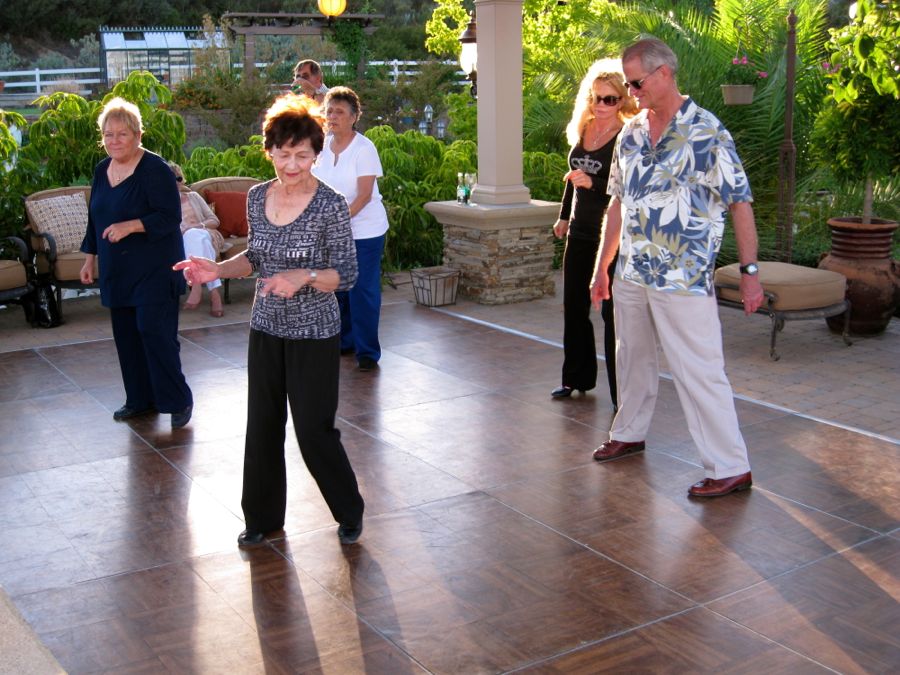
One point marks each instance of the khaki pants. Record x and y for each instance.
(688, 330)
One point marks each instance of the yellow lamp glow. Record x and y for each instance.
(332, 8)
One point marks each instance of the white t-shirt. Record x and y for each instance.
(360, 158)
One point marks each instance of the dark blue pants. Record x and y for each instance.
(146, 339)
(361, 305)
(304, 374)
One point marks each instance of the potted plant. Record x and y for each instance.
(741, 77)
(857, 135)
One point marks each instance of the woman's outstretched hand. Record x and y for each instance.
(198, 270)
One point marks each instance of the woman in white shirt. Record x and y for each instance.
(349, 163)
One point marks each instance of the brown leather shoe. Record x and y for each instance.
(719, 487)
(615, 449)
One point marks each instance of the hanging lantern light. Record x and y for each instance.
(332, 8)
(468, 55)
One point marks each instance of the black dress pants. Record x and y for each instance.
(304, 374)
(579, 369)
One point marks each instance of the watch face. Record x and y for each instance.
(751, 268)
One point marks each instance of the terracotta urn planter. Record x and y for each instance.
(737, 94)
(862, 253)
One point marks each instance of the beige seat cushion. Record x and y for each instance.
(68, 266)
(12, 275)
(795, 286)
(64, 216)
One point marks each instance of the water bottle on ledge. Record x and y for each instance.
(462, 194)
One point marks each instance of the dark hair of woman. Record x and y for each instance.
(292, 119)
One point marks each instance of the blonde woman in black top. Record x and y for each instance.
(602, 106)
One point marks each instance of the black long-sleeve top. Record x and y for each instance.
(584, 207)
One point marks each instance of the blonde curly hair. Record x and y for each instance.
(604, 70)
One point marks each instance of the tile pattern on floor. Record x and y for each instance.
(493, 543)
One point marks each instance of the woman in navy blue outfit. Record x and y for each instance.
(134, 227)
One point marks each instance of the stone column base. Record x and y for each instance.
(504, 253)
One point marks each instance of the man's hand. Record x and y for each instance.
(751, 293)
(305, 86)
(599, 287)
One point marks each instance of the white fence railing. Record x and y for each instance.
(37, 82)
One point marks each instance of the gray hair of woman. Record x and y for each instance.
(604, 70)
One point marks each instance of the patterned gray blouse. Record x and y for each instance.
(320, 238)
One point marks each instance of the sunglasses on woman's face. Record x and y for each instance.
(607, 100)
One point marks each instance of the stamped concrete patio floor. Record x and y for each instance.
(492, 543)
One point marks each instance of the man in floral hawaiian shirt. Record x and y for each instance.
(675, 175)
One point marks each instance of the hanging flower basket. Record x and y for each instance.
(737, 94)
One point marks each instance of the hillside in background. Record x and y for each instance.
(62, 33)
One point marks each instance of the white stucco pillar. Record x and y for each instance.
(500, 103)
(502, 242)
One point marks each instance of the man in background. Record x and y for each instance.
(308, 80)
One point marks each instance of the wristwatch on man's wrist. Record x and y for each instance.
(751, 269)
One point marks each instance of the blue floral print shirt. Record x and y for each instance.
(674, 199)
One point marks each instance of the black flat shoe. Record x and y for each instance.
(349, 534)
(563, 391)
(251, 539)
(126, 413)
(367, 365)
(179, 419)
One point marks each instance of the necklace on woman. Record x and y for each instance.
(127, 168)
(596, 136)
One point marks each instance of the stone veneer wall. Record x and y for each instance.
(498, 266)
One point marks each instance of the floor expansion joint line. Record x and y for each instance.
(748, 399)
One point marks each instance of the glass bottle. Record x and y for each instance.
(461, 195)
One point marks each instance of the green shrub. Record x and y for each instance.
(62, 147)
(245, 160)
(417, 169)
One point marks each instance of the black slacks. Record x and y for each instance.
(304, 374)
(579, 369)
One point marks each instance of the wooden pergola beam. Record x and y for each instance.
(251, 24)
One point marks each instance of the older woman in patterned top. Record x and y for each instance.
(301, 245)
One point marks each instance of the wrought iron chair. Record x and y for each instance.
(792, 293)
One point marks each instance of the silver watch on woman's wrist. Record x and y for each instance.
(313, 275)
